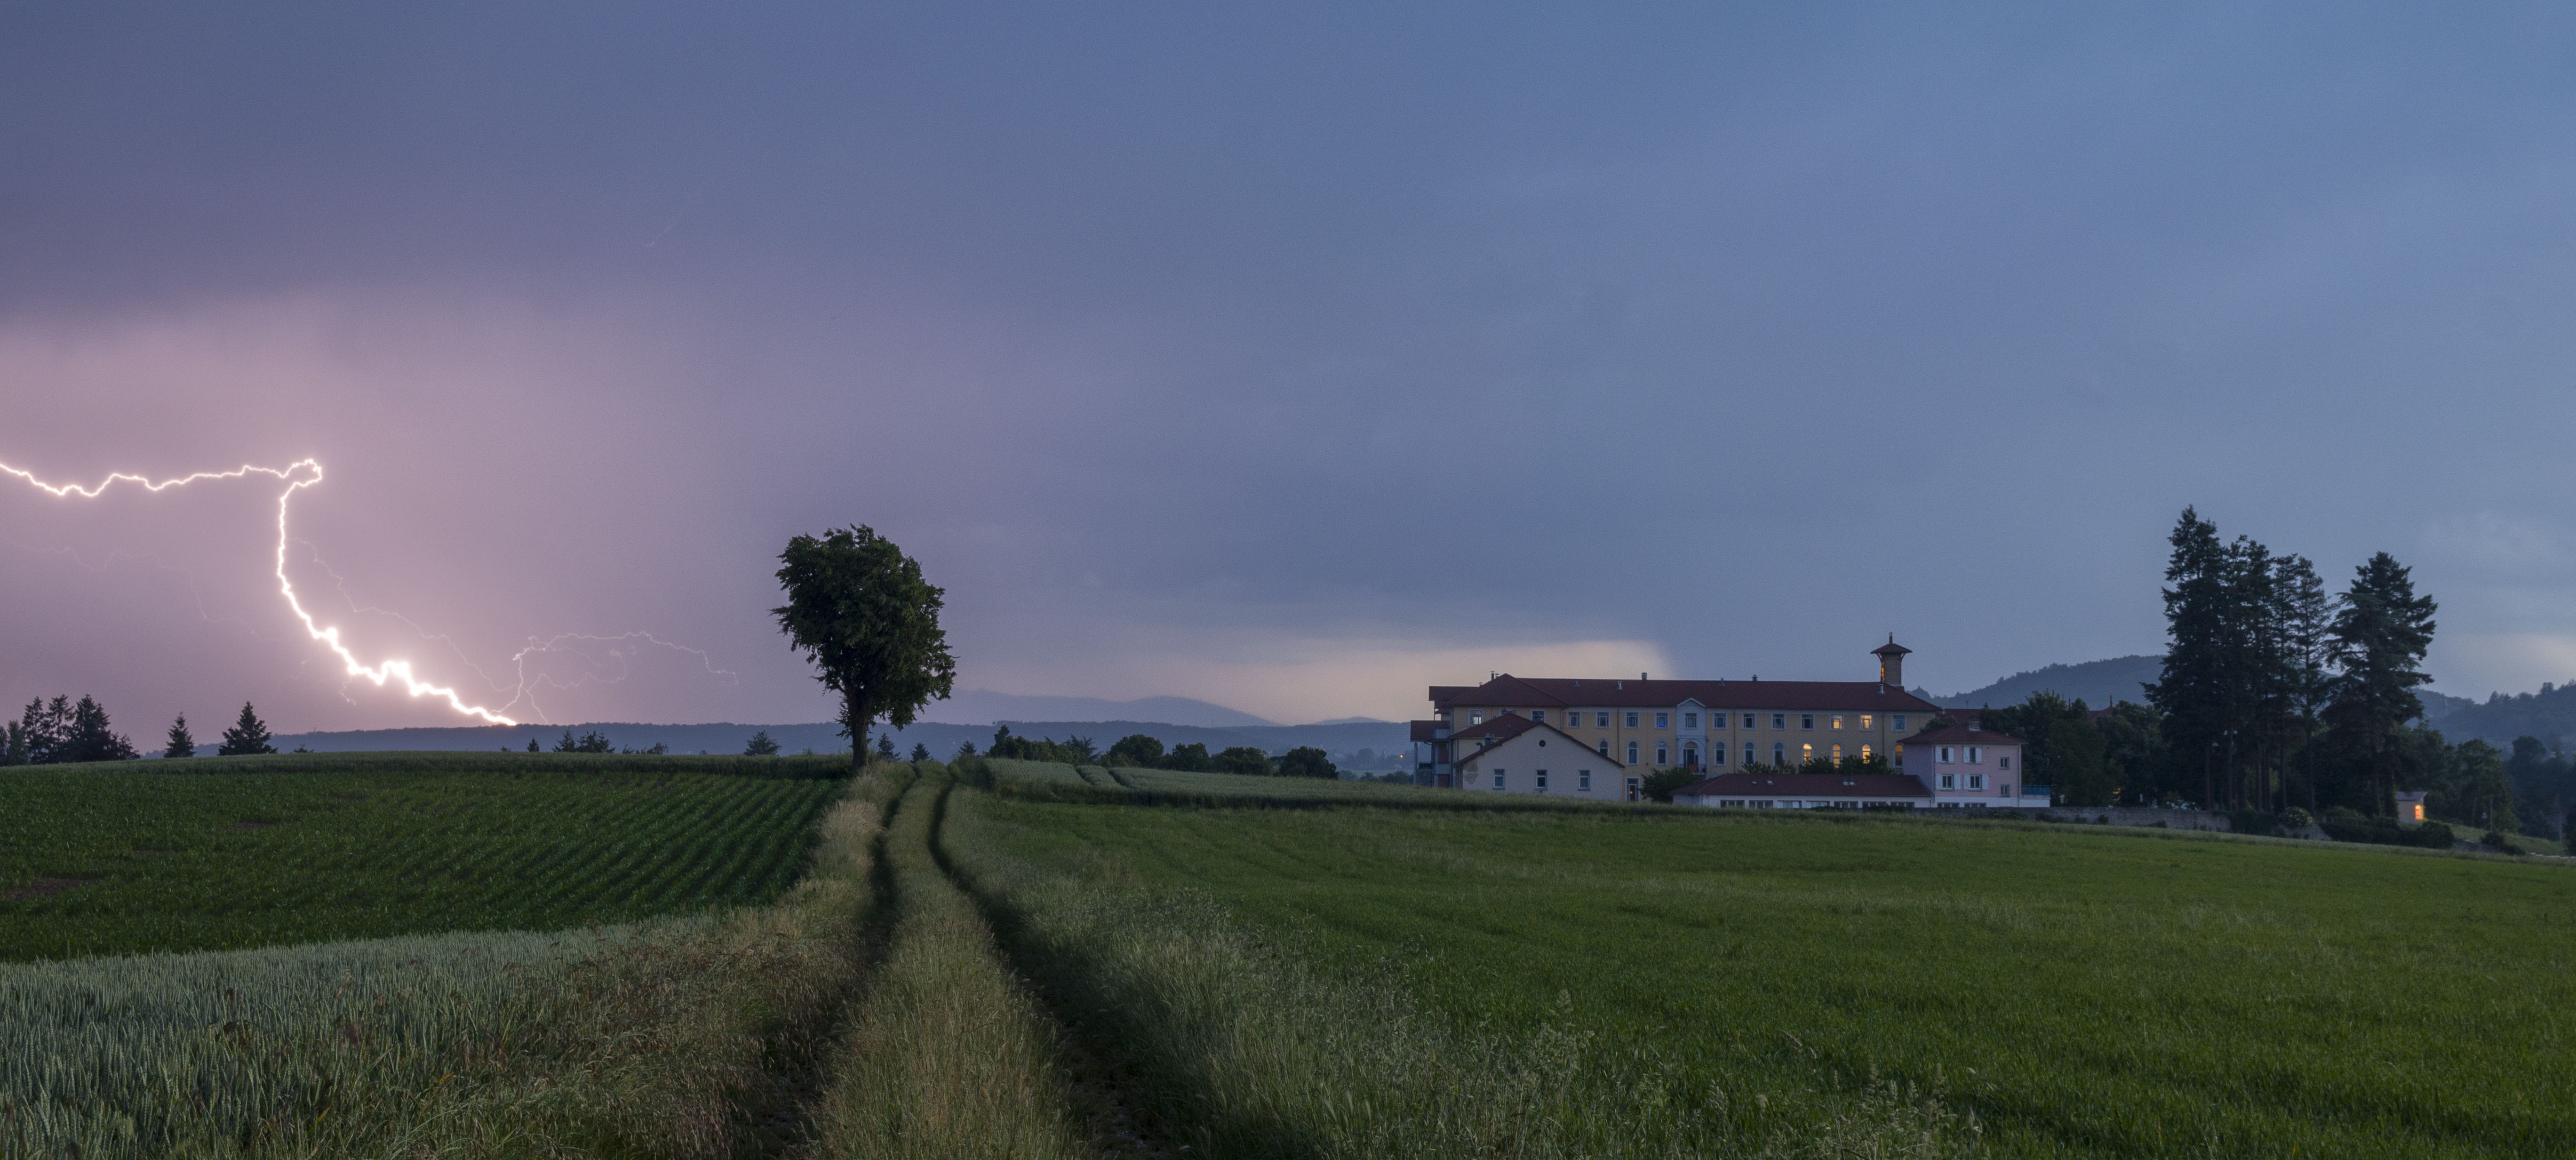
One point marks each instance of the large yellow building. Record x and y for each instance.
(1648, 724)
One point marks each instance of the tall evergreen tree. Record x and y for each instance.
(47, 726)
(182, 744)
(90, 739)
(2306, 615)
(248, 735)
(2192, 689)
(13, 744)
(2379, 638)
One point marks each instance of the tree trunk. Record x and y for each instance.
(854, 711)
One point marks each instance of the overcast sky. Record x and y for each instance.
(1291, 359)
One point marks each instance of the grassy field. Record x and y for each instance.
(683, 1037)
(246, 852)
(2080, 992)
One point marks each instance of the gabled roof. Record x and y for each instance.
(1961, 735)
(1826, 696)
(1807, 785)
(1427, 730)
(1509, 726)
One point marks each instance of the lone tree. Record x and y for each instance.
(248, 735)
(182, 743)
(2378, 639)
(858, 608)
(761, 745)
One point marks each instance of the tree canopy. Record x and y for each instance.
(248, 735)
(860, 611)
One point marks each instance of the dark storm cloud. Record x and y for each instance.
(1178, 336)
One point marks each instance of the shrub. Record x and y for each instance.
(1660, 786)
(2498, 840)
(2295, 818)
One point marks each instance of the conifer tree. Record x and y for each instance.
(2191, 690)
(45, 728)
(920, 752)
(182, 743)
(90, 739)
(2379, 639)
(761, 745)
(247, 736)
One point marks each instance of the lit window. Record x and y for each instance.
(1806, 720)
(1690, 720)
(1838, 755)
(1897, 722)
(1949, 781)
(1864, 753)
(1632, 720)
(1806, 753)
(1632, 753)
(1663, 720)
(1976, 781)
(1498, 779)
(1779, 720)
(1583, 780)
(1864, 721)
(1838, 723)
(1542, 781)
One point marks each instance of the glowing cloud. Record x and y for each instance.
(297, 476)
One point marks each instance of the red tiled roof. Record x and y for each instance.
(1807, 785)
(1508, 726)
(1502, 728)
(1961, 735)
(1828, 696)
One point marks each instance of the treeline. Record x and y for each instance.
(1144, 751)
(63, 730)
(2278, 694)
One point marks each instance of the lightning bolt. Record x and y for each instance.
(297, 476)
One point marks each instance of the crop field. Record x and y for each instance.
(2078, 992)
(236, 853)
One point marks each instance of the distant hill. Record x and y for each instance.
(1342, 741)
(2096, 683)
(2549, 715)
(985, 707)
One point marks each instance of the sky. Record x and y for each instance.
(1290, 357)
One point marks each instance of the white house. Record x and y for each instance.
(1964, 765)
(1513, 754)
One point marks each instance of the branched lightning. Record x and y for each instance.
(296, 476)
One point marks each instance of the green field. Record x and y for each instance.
(2080, 991)
(247, 852)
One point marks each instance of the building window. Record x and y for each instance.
(1806, 720)
(1779, 754)
(1632, 720)
(1632, 753)
(1736, 803)
(1602, 720)
(1604, 747)
(1806, 753)
(1949, 781)
(1632, 789)
(1583, 780)
(1542, 781)
(1838, 723)
(1748, 720)
(1476, 718)
(1662, 755)
(2003, 763)
(1538, 715)
(1498, 779)
(1864, 721)
(1838, 755)
(1749, 759)
(1976, 781)
(1864, 753)
(1976, 755)
(1897, 722)
(2005, 790)
(1663, 720)
(1690, 720)
(1779, 720)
